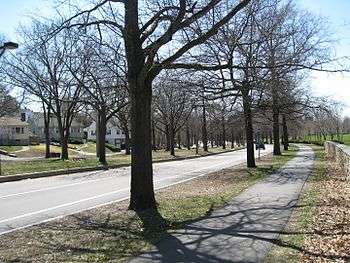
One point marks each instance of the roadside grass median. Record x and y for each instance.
(113, 233)
(44, 165)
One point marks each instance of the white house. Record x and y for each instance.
(114, 135)
(36, 126)
(14, 131)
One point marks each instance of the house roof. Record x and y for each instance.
(12, 121)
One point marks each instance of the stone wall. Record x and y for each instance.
(341, 153)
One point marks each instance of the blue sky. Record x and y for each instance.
(337, 12)
(334, 85)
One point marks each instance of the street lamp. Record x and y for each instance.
(9, 46)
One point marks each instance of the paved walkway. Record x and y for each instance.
(244, 230)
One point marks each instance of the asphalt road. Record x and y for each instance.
(29, 202)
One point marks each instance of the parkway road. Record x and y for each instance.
(29, 202)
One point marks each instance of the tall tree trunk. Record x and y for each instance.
(179, 140)
(102, 127)
(98, 116)
(232, 139)
(172, 141)
(142, 189)
(47, 140)
(204, 127)
(188, 137)
(47, 118)
(127, 141)
(271, 137)
(223, 132)
(248, 121)
(63, 131)
(154, 145)
(276, 132)
(167, 137)
(64, 147)
(140, 87)
(285, 133)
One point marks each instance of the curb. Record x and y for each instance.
(18, 177)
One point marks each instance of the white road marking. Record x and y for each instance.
(92, 198)
(85, 182)
(88, 208)
(51, 188)
(98, 196)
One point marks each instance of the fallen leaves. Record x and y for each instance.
(330, 228)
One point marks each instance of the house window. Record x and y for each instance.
(109, 132)
(22, 130)
(118, 132)
(23, 116)
(93, 132)
(18, 130)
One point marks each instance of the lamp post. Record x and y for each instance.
(6, 46)
(9, 46)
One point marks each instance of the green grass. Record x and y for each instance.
(39, 151)
(11, 149)
(89, 147)
(319, 140)
(302, 215)
(9, 168)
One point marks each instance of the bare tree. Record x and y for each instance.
(173, 106)
(103, 83)
(40, 68)
(8, 104)
(147, 29)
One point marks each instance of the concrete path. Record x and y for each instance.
(244, 230)
(28, 202)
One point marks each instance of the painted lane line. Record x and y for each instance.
(62, 205)
(81, 200)
(88, 208)
(96, 206)
(52, 188)
(84, 182)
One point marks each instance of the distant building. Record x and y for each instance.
(14, 131)
(37, 125)
(114, 135)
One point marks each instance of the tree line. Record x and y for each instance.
(174, 73)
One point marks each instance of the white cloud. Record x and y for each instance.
(334, 85)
